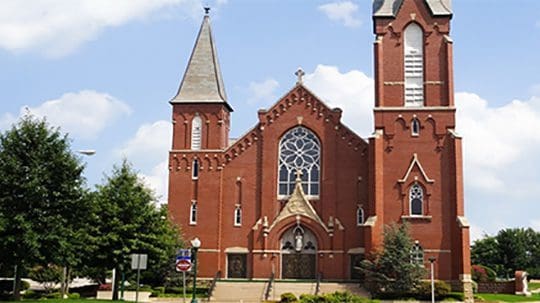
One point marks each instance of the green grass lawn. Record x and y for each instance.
(534, 285)
(506, 298)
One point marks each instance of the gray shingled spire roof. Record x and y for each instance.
(202, 82)
(390, 8)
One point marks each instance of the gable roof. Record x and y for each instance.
(298, 205)
(390, 8)
(202, 82)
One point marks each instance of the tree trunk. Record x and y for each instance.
(17, 288)
(115, 284)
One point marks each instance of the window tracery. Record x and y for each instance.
(299, 152)
(416, 199)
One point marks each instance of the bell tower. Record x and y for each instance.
(201, 114)
(415, 159)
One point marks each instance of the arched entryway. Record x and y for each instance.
(298, 253)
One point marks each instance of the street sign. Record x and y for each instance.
(183, 265)
(183, 260)
(138, 261)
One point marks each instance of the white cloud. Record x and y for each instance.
(497, 139)
(83, 114)
(148, 151)
(7, 120)
(57, 27)
(342, 11)
(535, 224)
(158, 181)
(476, 233)
(351, 91)
(263, 92)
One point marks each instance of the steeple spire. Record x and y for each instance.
(202, 82)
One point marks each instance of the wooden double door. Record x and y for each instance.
(298, 266)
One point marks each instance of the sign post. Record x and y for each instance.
(183, 264)
(138, 262)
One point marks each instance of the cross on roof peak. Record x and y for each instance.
(300, 74)
(298, 175)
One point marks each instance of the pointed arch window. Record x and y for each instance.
(299, 152)
(238, 216)
(196, 132)
(416, 200)
(193, 213)
(417, 254)
(359, 216)
(415, 127)
(414, 65)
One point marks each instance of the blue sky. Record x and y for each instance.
(104, 71)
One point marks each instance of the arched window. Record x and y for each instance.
(415, 127)
(417, 254)
(414, 65)
(238, 216)
(193, 213)
(359, 216)
(416, 199)
(299, 152)
(196, 133)
(195, 170)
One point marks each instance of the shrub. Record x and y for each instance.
(307, 298)
(442, 289)
(31, 294)
(288, 297)
(157, 291)
(52, 295)
(48, 275)
(481, 273)
(74, 295)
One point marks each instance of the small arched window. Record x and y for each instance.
(196, 133)
(359, 216)
(414, 65)
(193, 213)
(299, 152)
(417, 254)
(195, 170)
(415, 127)
(238, 216)
(416, 199)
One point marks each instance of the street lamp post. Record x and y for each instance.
(195, 244)
(432, 261)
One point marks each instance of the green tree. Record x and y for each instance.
(391, 271)
(510, 250)
(127, 221)
(40, 197)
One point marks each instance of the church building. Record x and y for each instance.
(300, 194)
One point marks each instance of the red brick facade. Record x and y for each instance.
(375, 175)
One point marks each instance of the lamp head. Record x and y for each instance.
(432, 259)
(196, 243)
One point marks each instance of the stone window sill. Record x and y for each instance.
(414, 218)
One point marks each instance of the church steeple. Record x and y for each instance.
(201, 114)
(202, 82)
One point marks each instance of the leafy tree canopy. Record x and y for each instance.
(40, 196)
(128, 221)
(510, 250)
